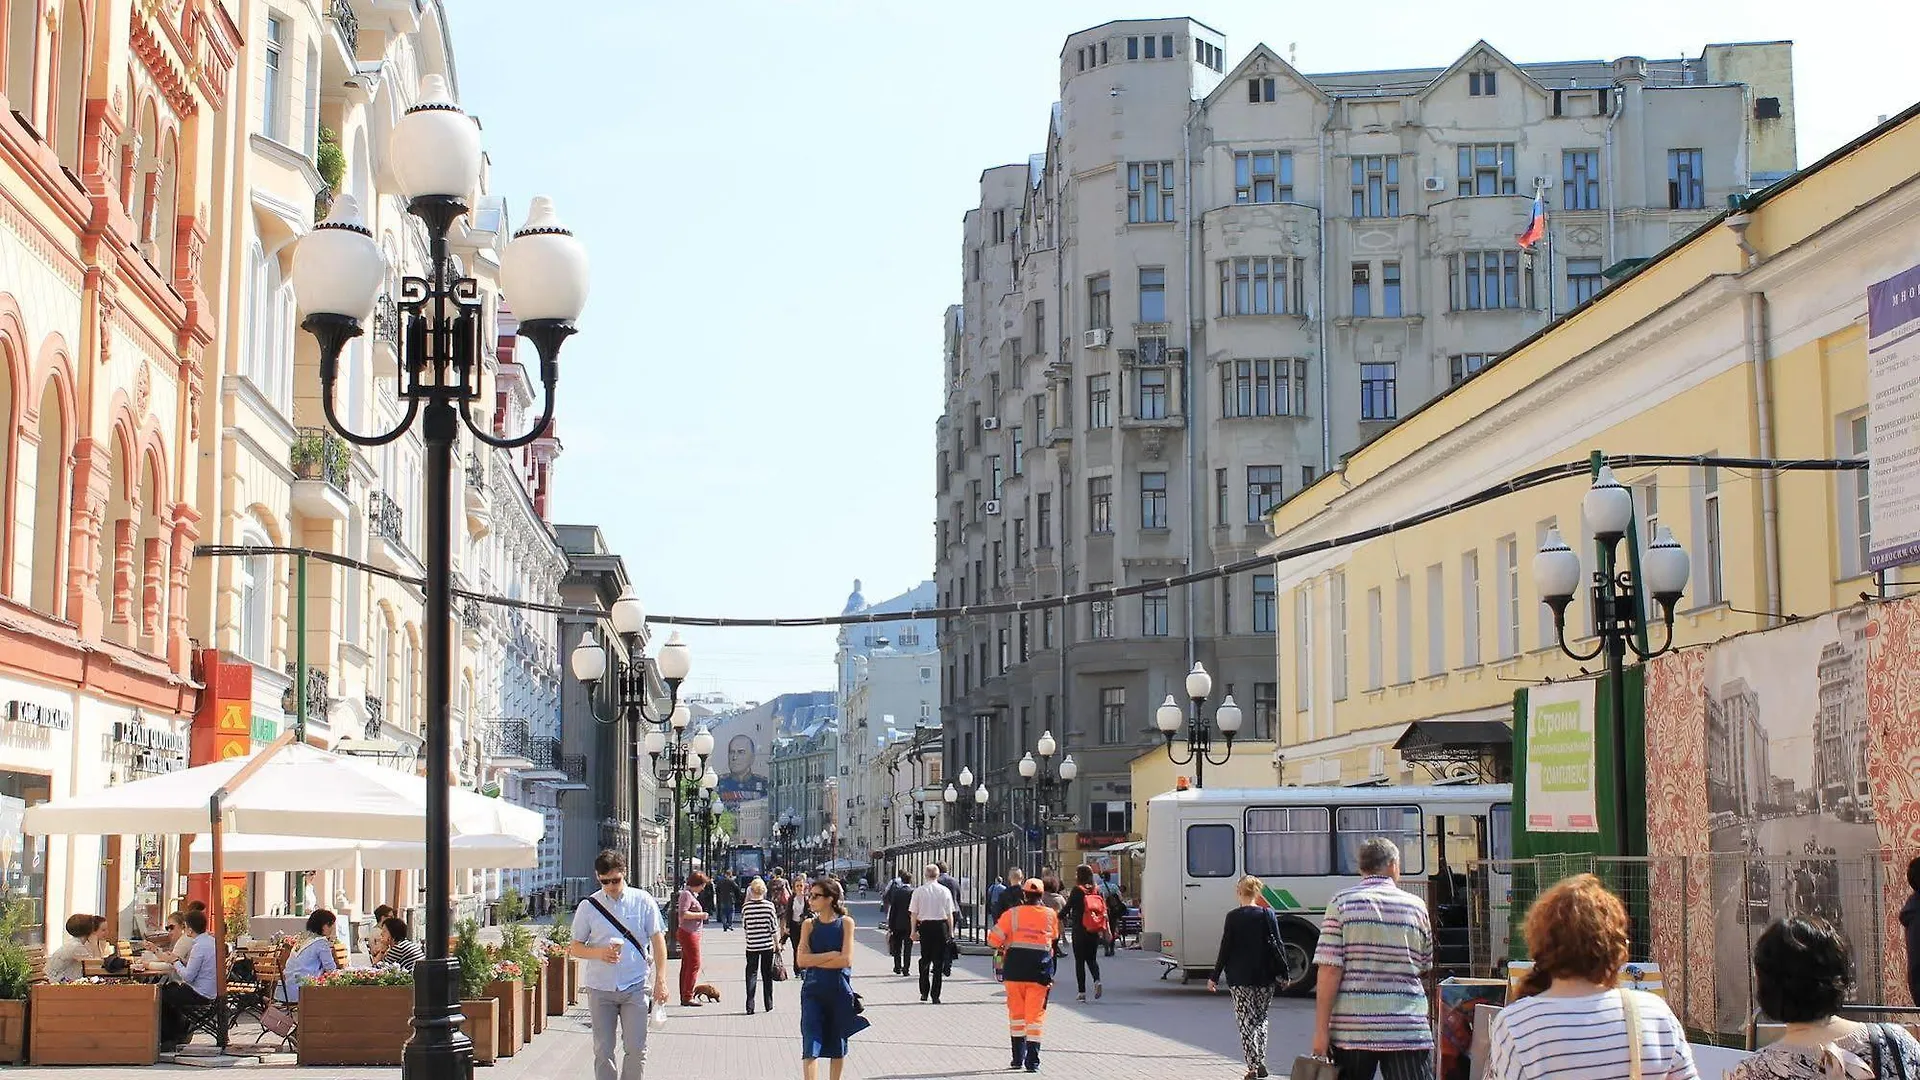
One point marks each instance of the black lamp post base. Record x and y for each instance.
(439, 1050)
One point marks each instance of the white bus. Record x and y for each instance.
(1302, 842)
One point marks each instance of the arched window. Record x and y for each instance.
(383, 659)
(255, 584)
(50, 500)
(70, 86)
(409, 665)
(116, 541)
(268, 362)
(166, 211)
(23, 33)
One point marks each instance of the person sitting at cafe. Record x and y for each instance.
(86, 940)
(312, 955)
(193, 986)
(177, 925)
(396, 945)
(377, 951)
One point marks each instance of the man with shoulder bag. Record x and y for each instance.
(619, 933)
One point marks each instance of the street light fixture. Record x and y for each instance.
(1048, 786)
(1199, 735)
(338, 270)
(1618, 603)
(966, 808)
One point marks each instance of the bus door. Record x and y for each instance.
(1210, 851)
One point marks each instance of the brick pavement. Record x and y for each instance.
(1142, 1028)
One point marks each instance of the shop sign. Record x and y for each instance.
(1090, 841)
(224, 727)
(30, 714)
(144, 749)
(265, 730)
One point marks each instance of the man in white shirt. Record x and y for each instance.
(932, 909)
(605, 929)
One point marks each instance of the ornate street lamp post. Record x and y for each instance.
(966, 808)
(1199, 735)
(1047, 785)
(1617, 604)
(338, 270)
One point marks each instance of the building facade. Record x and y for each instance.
(1212, 285)
(1746, 339)
(895, 696)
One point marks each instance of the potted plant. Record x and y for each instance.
(356, 1016)
(236, 917)
(482, 1013)
(315, 455)
(559, 987)
(16, 978)
(504, 987)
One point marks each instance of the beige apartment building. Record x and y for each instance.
(1214, 283)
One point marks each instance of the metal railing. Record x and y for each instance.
(319, 454)
(470, 615)
(340, 13)
(316, 693)
(477, 471)
(543, 751)
(383, 513)
(376, 713)
(507, 738)
(574, 765)
(386, 320)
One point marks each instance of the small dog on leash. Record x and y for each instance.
(706, 992)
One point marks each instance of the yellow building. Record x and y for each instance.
(1746, 338)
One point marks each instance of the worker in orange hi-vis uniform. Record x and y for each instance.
(1027, 932)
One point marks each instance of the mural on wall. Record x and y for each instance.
(742, 748)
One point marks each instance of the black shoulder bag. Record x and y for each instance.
(622, 927)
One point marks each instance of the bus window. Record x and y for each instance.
(1209, 851)
(1500, 831)
(1288, 842)
(1400, 824)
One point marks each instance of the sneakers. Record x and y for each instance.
(1097, 990)
(1081, 996)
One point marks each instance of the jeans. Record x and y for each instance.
(629, 1008)
(760, 966)
(933, 957)
(726, 915)
(689, 963)
(1393, 1064)
(177, 1002)
(902, 942)
(1086, 956)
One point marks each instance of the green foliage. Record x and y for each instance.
(517, 945)
(16, 968)
(236, 915)
(313, 450)
(329, 159)
(476, 967)
(562, 932)
(511, 908)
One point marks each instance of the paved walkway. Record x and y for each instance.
(1142, 1028)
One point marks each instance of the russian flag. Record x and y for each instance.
(1536, 225)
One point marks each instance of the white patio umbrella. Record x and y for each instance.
(246, 853)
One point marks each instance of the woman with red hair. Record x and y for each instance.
(1574, 1024)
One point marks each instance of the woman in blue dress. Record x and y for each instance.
(828, 1015)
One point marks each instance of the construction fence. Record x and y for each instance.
(1698, 916)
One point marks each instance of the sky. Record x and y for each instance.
(771, 192)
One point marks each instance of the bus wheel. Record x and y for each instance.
(1296, 948)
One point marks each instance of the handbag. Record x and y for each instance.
(1308, 1067)
(859, 1006)
(275, 1018)
(780, 973)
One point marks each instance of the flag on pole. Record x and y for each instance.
(1537, 224)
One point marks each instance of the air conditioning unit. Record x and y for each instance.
(1436, 183)
(993, 507)
(1094, 339)
(989, 423)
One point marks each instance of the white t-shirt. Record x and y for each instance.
(1585, 1038)
(931, 903)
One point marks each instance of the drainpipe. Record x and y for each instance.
(1326, 390)
(1616, 103)
(1759, 359)
(1186, 375)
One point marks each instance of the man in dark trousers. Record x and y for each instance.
(899, 920)
(1116, 905)
(952, 885)
(933, 922)
(726, 895)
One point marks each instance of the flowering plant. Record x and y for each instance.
(504, 970)
(382, 976)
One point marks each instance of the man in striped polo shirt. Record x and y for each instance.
(1375, 944)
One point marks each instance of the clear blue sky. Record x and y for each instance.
(772, 193)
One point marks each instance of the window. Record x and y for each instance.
(976, 264)
(1150, 403)
(1856, 517)
(1583, 280)
(272, 103)
(1265, 603)
(1261, 286)
(1166, 46)
(1226, 604)
(1711, 591)
(1019, 451)
(1100, 504)
(1466, 364)
(1100, 613)
(1259, 90)
(1099, 402)
(1436, 620)
(1153, 500)
(1019, 543)
(1290, 841)
(1303, 648)
(1133, 48)
(1149, 191)
(1113, 714)
(1153, 613)
(1153, 294)
(1043, 519)
(1208, 55)
(1486, 169)
(1379, 395)
(1686, 188)
(1046, 637)
(1026, 650)
(1580, 180)
(1401, 824)
(1099, 302)
(1362, 290)
(1403, 629)
(1262, 176)
(1390, 290)
(1263, 388)
(999, 226)
(1480, 84)
(1375, 183)
(1150, 47)
(1263, 491)
(1266, 697)
(255, 581)
(1004, 650)
(1210, 851)
(1376, 640)
(1114, 817)
(1470, 609)
(1220, 497)
(1507, 584)
(1306, 477)
(1337, 601)
(993, 471)
(1487, 280)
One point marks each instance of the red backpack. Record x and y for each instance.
(1093, 910)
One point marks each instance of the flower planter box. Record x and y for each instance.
(557, 985)
(354, 1025)
(482, 1024)
(13, 1032)
(573, 981)
(527, 1001)
(507, 996)
(537, 1007)
(94, 1024)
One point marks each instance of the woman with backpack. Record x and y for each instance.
(1086, 914)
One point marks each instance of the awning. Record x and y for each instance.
(1454, 740)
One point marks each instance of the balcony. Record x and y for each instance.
(376, 715)
(507, 743)
(316, 694)
(323, 474)
(340, 14)
(386, 337)
(386, 529)
(479, 510)
(543, 754)
(471, 625)
(615, 835)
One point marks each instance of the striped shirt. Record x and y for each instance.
(1585, 1038)
(405, 953)
(761, 921)
(1379, 938)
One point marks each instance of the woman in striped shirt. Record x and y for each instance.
(397, 947)
(761, 921)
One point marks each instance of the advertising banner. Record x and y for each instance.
(1561, 791)
(1893, 421)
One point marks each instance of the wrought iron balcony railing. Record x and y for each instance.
(386, 318)
(574, 765)
(316, 693)
(376, 714)
(383, 513)
(340, 13)
(543, 751)
(319, 454)
(507, 737)
(477, 471)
